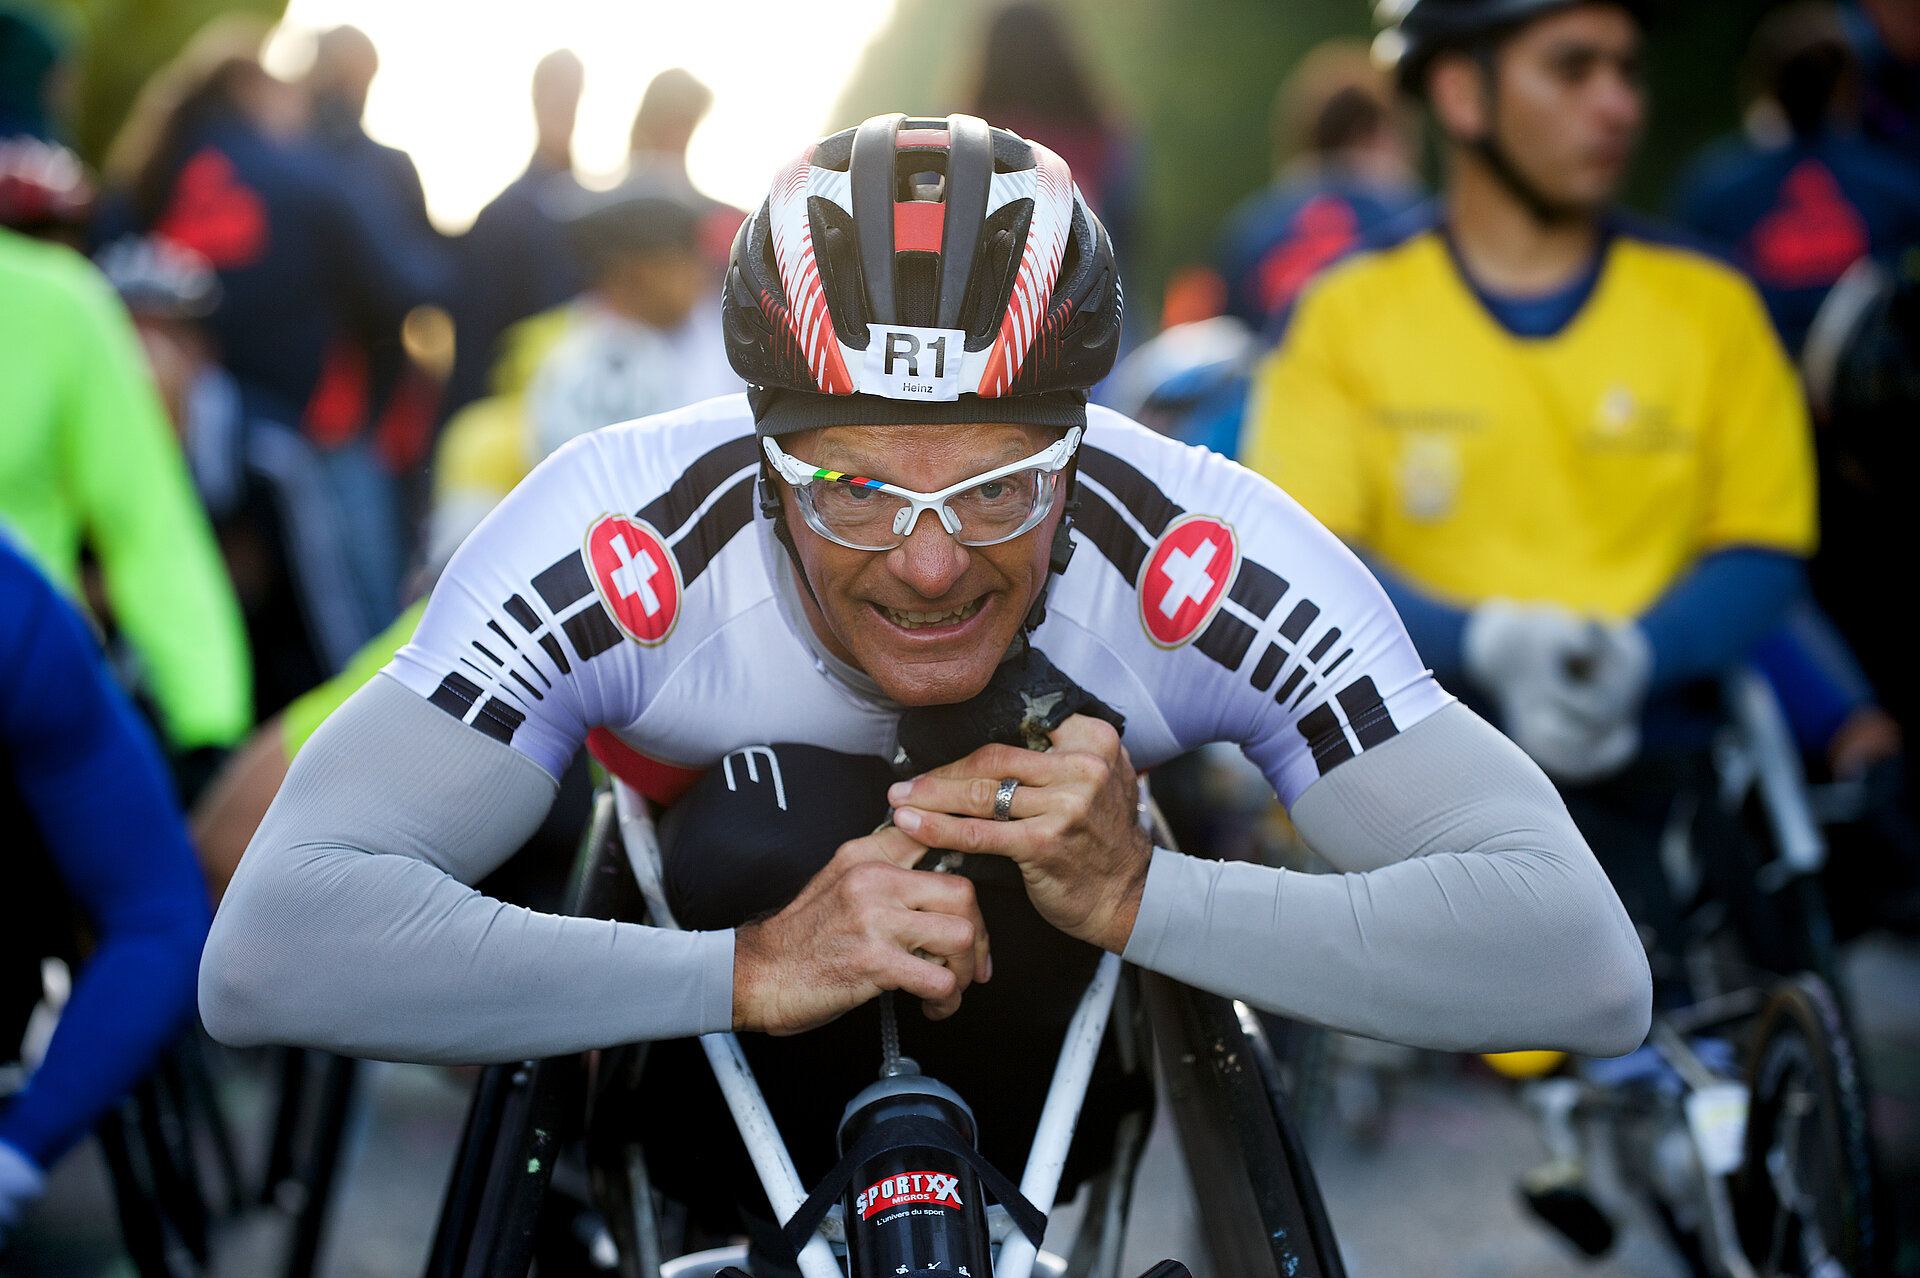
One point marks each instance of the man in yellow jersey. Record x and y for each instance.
(1570, 446)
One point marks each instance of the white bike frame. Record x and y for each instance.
(1046, 1160)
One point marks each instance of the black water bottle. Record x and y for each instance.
(918, 1209)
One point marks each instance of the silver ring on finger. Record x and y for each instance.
(1003, 800)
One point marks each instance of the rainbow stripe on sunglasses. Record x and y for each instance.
(844, 478)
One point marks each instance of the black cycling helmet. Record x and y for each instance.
(1413, 32)
(922, 270)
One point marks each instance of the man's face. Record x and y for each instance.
(930, 619)
(1567, 107)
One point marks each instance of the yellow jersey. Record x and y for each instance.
(1589, 468)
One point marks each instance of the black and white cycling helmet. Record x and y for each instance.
(913, 270)
(1413, 32)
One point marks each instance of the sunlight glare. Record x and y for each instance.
(452, 89)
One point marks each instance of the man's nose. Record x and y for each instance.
(1619, 99)
(931, 559)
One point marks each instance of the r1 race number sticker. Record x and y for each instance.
(913, 363)
(936, 1188)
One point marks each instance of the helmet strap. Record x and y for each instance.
(1540, 206)
(1060, 553)
(771, 508)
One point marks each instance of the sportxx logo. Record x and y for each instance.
(636, 576)
(1185, 577)
(937, 1188)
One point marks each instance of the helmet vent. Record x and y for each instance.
(836, 253)
(916, 288)
(1001, 237)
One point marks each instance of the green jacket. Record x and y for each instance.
(87, 458)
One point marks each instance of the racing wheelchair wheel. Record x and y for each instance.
(1803, 1197)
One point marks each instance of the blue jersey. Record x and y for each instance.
(1276, 241)
(91, 823)
(1795, 217)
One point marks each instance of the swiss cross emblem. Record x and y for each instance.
(1184, 578)
(636, 575)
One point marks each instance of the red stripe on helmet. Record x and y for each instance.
(918, 226)
(922, 137)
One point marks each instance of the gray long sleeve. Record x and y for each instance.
(350, 926)
(1471, 915)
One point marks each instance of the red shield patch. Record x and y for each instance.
(636, 575)
(1185, 577)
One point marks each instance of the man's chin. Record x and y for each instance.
(931, 683)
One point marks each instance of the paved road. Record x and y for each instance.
(1433, 1195)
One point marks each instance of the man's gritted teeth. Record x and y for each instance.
(911, 620)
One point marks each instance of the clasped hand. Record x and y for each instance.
(870, 922)
(1074, 829)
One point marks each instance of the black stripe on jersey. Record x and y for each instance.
(1257, 589)
(1326, 642)
(1367, 713)
(1337, 663)
(1326, 738)
(522, 611)
(696, 483)
(564, 582)
(522, 681)
(498, 720)
(495, 627)
(1101, 524)
(552, 648)
(720, 525)
(488, 655)
(1298, 620)
(1140, 495)
(1270, 662)
(456, 695)
(592, 631)
(1226, 640)
(1288, 684)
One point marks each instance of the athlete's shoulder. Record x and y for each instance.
(1673, 247)
(1374, 270)
(1235, 615)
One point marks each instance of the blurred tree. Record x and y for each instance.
(122, 42)
(1193, 80)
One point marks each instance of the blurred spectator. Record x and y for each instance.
(45, 191)
(1572, 449)
(1886, 37)
(87, 462)
(637, 341)
(1342, 167)
(95, 845)
(671, 109)
(1799, 196)
(1032, 82)
(208, 161)
(403, 399)
(32, 64)
(514, 261)
(279, 529)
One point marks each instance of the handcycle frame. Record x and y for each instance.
(1755, 761)
(1259, 1206)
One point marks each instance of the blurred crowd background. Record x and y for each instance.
(256, 384)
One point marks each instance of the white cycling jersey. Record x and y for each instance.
(630, 584)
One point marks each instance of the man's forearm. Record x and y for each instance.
(1474, 918)
(350, 926)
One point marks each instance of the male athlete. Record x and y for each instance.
(919, 308)
(1571, 448)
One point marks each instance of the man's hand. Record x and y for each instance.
(1075, 828)
(865, 923)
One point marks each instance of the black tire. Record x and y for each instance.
(1804, 1194)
